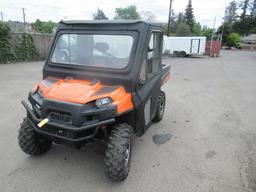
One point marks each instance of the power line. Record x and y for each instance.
(169, 18)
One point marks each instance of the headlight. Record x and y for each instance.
(103, 101)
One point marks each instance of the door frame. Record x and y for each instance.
(148, 90)
(198, 45)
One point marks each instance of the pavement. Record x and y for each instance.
(206, 141)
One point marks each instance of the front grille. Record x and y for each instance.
(62, 118)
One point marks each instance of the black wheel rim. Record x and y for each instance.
(127, 154)
(161, 107)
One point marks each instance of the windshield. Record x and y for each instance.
(94, 50)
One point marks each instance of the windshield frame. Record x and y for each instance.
(131, 33)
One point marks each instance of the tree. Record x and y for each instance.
(26, 49)
(38, 25)
(230, 13)
(207, 32)
(189, 15)
(99, 15)
(253, 30)
(5, 45)
(197, 29)
(173, 25)
(247, 21)
(233, 39)
(147, 16)
(253, 11)
(48, 27)
(244, 4)
(243, 27)
(183, 30)
(226, 32)
(180, 18)
(129, 12)
(229, 19)
(44, 27)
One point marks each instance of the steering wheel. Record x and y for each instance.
(62, 56)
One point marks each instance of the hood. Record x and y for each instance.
(84, 91)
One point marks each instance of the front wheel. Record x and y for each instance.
(118, 153)
(160, 107)
(29, 140)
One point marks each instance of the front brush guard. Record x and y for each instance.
(96, 125)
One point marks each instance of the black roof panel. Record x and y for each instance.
(120, 22)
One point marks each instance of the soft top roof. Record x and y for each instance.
(108, 22)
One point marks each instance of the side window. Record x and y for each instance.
(153, 56)
(143, 72)
(151, 62)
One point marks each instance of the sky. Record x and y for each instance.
(204, 10)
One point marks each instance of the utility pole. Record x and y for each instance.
(213, 29)
(169, 18)
(24, 17)
(2, 17)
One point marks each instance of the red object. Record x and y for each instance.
(214, 51)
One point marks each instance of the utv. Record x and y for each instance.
(101, 82)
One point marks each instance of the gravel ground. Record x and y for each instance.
(206, 141)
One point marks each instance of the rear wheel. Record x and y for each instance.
(175, 53)
(118, 153)
(29, 140)
(182, 54)
(160, 107)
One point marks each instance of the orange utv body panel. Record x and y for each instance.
(84, 91)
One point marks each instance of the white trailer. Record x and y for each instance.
(184, 46)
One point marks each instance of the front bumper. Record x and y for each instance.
(65, 132)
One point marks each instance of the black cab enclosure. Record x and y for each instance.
(144, 74)
(101, 82)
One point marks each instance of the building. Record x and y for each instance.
(248, 42)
